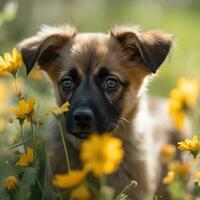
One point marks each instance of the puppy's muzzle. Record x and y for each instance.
(83, 120)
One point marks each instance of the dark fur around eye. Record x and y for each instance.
(109, 82)
(70, 80)
(73, 73)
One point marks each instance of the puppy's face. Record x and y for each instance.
(99, 74)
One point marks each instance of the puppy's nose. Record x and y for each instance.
(83, 117)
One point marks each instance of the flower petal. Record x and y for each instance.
(69, 180)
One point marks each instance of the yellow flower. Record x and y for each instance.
(183, 169)
(81, 193)
(36, 74)
(183, 97)
(72, 179)
(2, 69)
(190, 145)
(176, 111)
(4, 101)
(102, 154)
(4, 97)
(179, 120)
(26, 159)
(190, 89)
(10, 62)
(58, 111)
(25, 109)
(169, 178)
(180, 168)
(11, 182)
(3, 66)
(167, 152)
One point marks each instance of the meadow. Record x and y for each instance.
(27, 104)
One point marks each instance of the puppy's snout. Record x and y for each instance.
(83, 117)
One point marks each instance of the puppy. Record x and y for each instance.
(104, 77)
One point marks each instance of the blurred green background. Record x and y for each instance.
(22, 18)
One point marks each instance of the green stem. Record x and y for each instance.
(22, 134)
(39, 184)
(14, 194)
(64, 144)
(50, 169)
(33, 140)
(47, 168)
(38, 130)
(15, 83)
(102, 181)
(45, 182)
(51, 174)
(17, 145)
(71, 197)
(125, 189)
(92, 188)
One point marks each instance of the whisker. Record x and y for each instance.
(112, 124)
(125, 120)
(120, 120)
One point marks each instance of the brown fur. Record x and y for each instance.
(130, 54)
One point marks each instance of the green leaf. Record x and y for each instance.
(28, 180)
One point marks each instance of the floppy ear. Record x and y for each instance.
(43, 48)
(152, 46)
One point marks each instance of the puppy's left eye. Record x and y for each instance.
(112, 83)
(67, 83)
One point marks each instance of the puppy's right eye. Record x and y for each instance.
(112, 83)
(67, 83)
